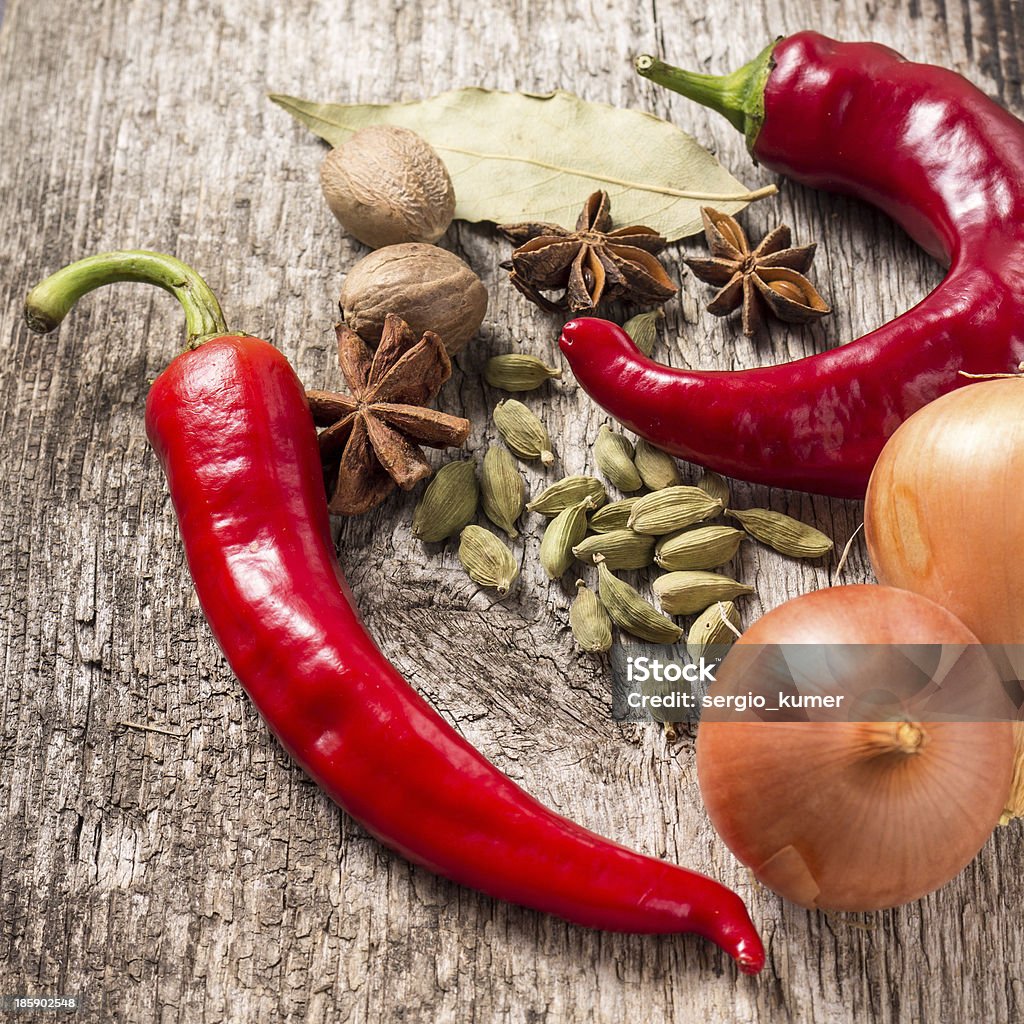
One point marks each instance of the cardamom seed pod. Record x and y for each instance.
(522, 431)
(518, 371)
(630, 611)
(716, 627)
(589, 621)
(566, 530)
(570, 490)
(672, 509)
(614, 455)
(622, 549)
(448, 503)
(704, 548)
(487, 560)
(686, 593)
(715, 485)
(643, 329)
(783, 533)
(614, 516)
(657, 469)
(502, 489)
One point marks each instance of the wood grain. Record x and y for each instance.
(193, 874)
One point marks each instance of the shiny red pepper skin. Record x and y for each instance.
(230, 424)
(945, 162)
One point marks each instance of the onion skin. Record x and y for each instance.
(942, 516)
(854, 816)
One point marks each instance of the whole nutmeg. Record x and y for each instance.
(431, 289)
(387, 185)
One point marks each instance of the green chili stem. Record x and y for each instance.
(51, 300)
(738, 96)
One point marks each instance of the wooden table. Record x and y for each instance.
(161, 856)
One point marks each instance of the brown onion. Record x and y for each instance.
(849, 815)
(942, 515)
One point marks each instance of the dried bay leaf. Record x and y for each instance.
(520, 156)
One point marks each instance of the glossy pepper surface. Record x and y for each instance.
(932, 151)
(230, 423)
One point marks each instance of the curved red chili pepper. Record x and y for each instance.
(929, 149)
(229, 421)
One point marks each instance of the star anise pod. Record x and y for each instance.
(592, 263)
(770, 277)
(373, 435)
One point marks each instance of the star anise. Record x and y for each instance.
(770, 277)
(592, 263)
(373, 434)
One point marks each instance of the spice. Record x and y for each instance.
(486, 560)
(822, 111)
(643, 329)
(767, 278)
(429, 287)
(285, 621)
(590, 623)
(563, 533)
(657, 469)
(783, 533)
(705, 548)
(522, 431)
(593, 263)
(518, 371)
(372, 436)
(502, 489)
(387, 185)
(568, 491)
(448, 503)
(614, 455)
(716, 485)
(614, 516)
(621, 549)
(686, 593)
(630, 611)
(716, 626)
(672, 509)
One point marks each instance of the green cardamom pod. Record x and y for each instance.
(718, 626)
(522, 431)
(686, 593)
(487, 560)
(715, 485)
(448, 503)
(657, 469)
(643, 329)
(589, 621)
(707, 547)
(569, 491)
(518, 372)
(566, 530)
(502, 489)
(614, 455)
(784, 533)
(672, 509)
(622, 549)
(614, 516)
(630, 611)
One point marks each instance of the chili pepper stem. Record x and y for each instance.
(51, 300)
(738, 96)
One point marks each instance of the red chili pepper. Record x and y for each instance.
(929, 149)
(229, 421)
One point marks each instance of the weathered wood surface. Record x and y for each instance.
(196, 875)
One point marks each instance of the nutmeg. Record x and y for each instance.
(387, 185)
(430, 288)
